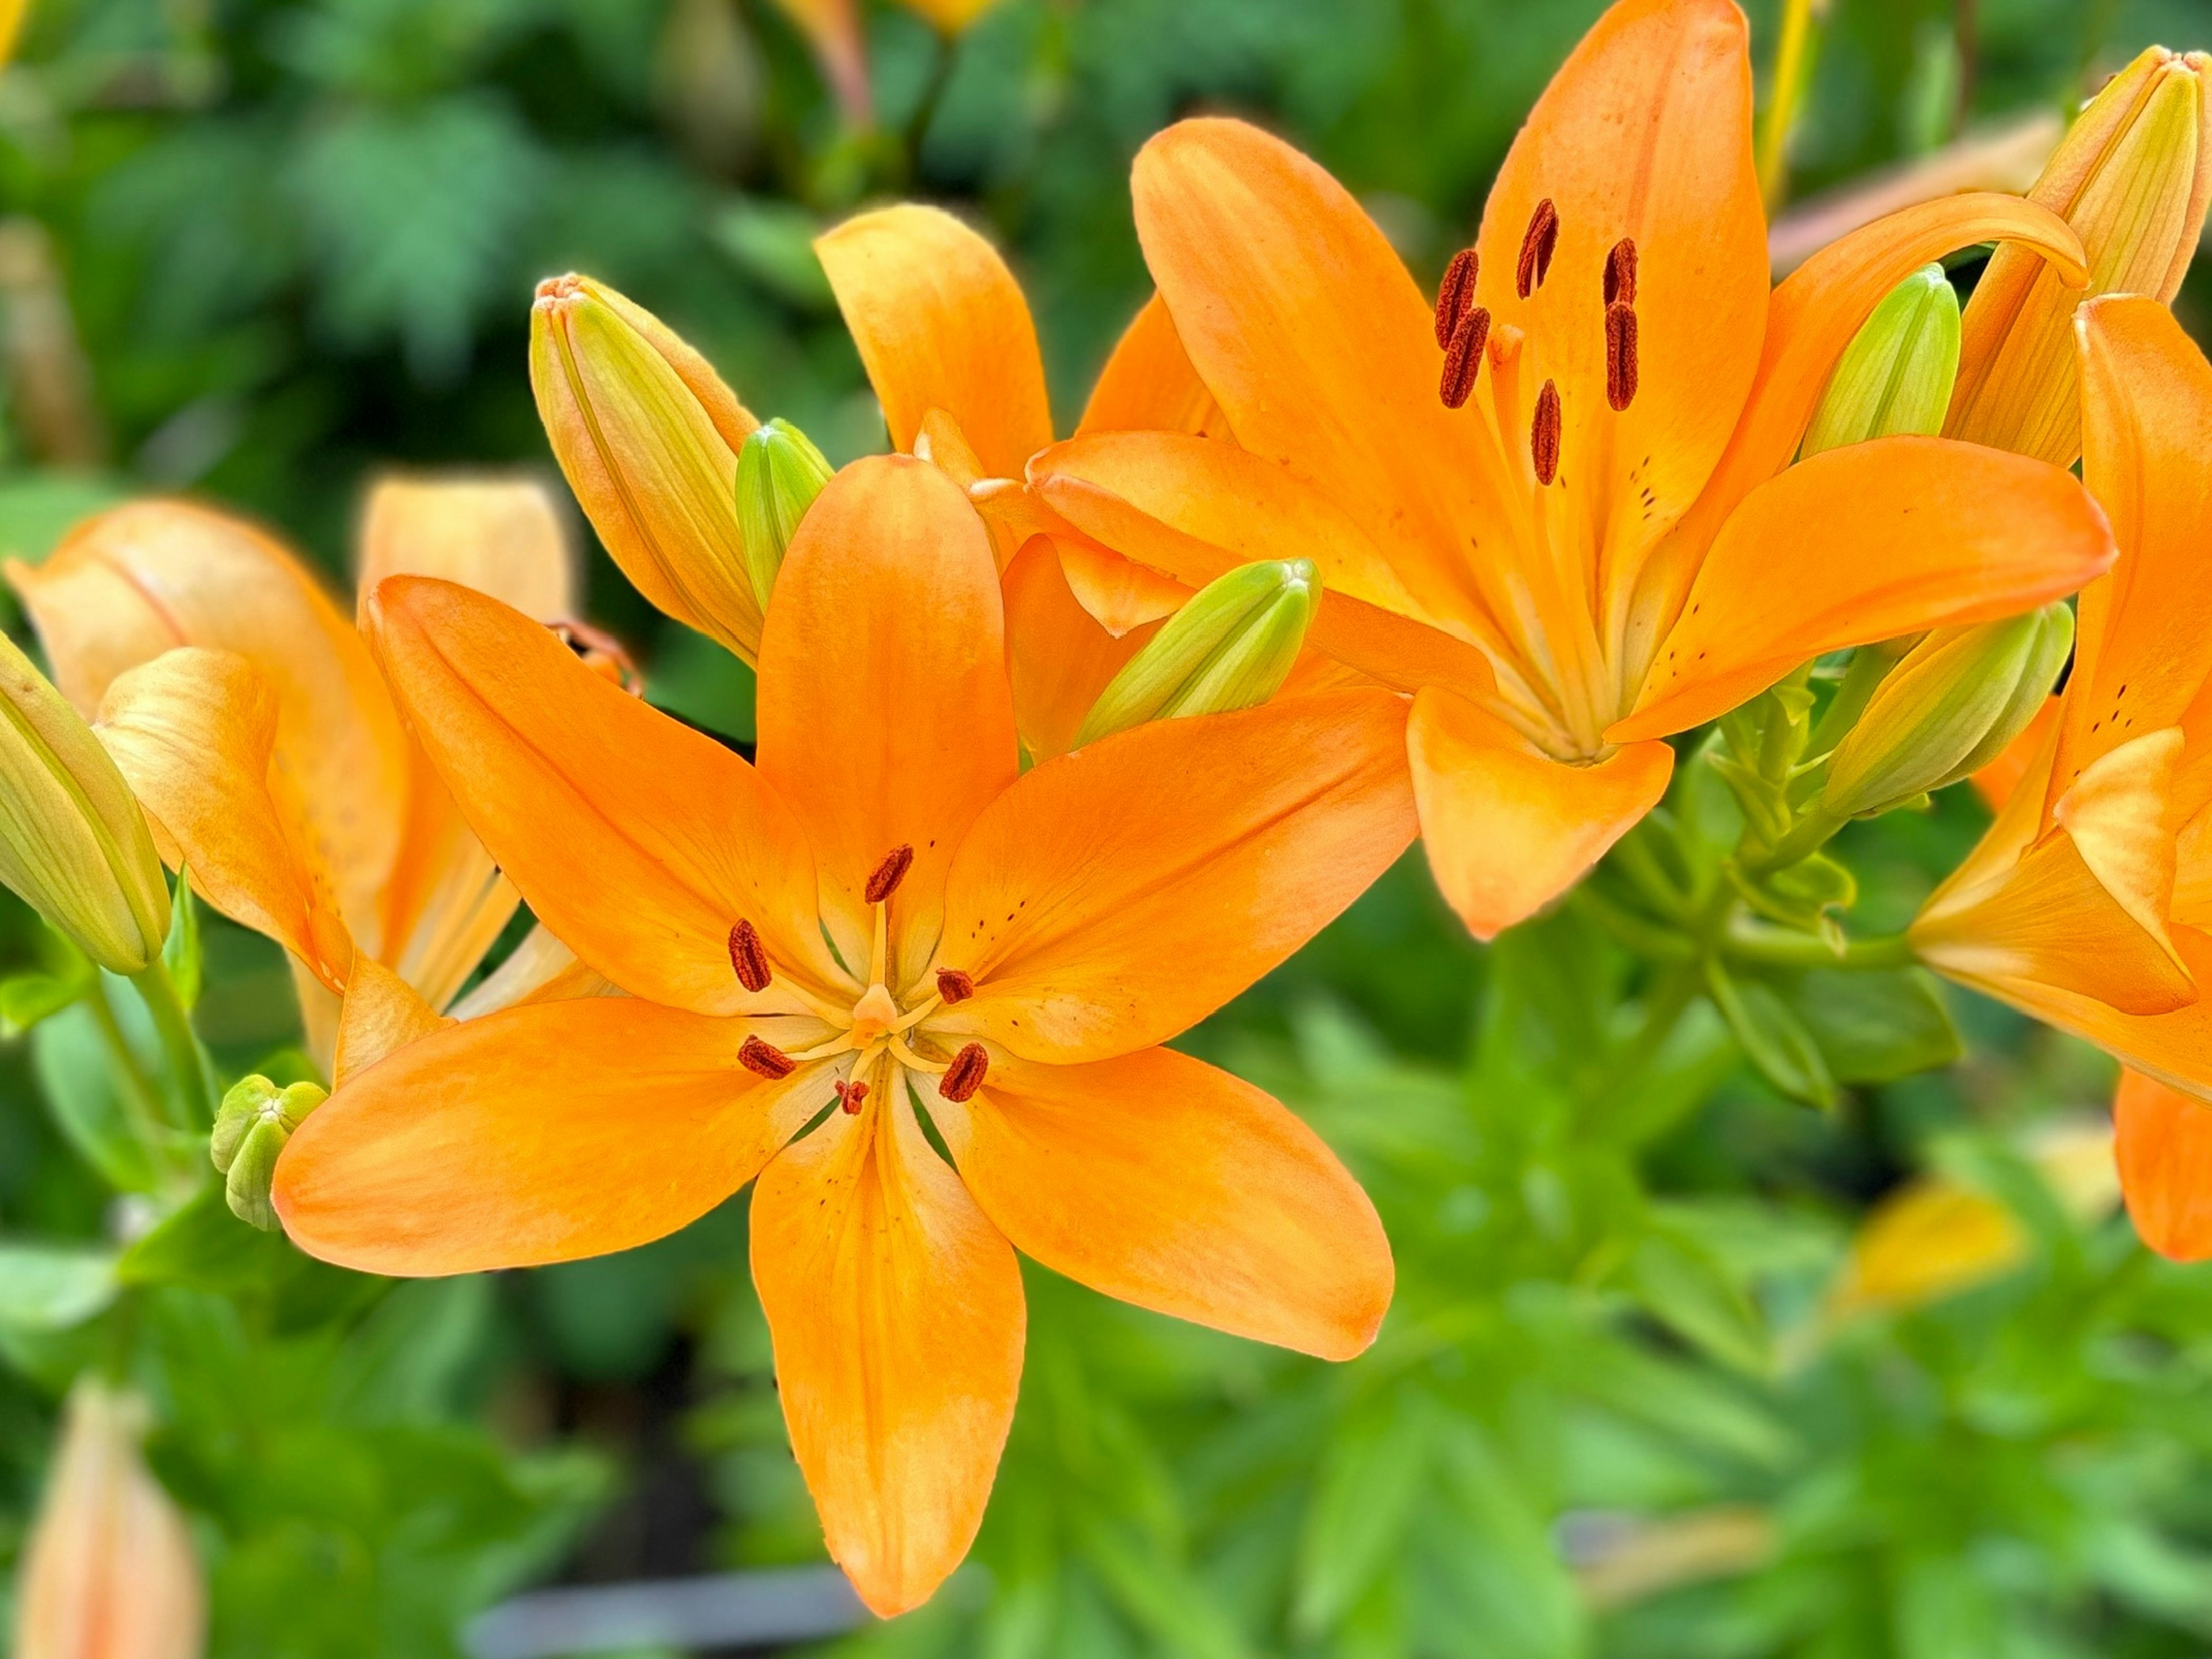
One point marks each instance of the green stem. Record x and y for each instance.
(1646, 938)
(1749, 942)
(137, 1091)
(1812, 832)
(175, 1028)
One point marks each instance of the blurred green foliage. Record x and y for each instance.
(1614, 1412)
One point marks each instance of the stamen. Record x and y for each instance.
(1464, 362)
(1455, 294)
(1620, 273)
(891, 871)
(1544, 434)
(965, 1075)
(749, 958)
(769, 1062)
(954, 986)
(1620, 356)
(850, 1095)
(600, 651)
(1537, 247)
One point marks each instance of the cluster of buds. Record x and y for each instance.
(256, 1119)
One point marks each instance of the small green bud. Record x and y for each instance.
(1231, 646)
(780, 472)
(1949, 708)
(1896, 374)
(73, 842)
(251, 1127)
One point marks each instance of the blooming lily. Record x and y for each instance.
(244, 711)
(880, 931)
(1567, 475)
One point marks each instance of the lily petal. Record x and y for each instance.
(1058, 656)
(1866, 543)
(1157, 1179)
(2119, 813)
(538, 969)
(544, 1133)
(381, 1014)
(502, 536)
(1119, 894)
(580, 790)
(941, 323)
(897, 1313)
(1149, 384)
(2165, 1152)
(1508, 828)
(1119, 593)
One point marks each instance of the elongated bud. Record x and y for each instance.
(73, 844)
(648, 436)
(1231, 646)
(2132, 177)
(251, 1128)
(1897, 373)
(780, 472)
(1950, 706)
(109, 1568)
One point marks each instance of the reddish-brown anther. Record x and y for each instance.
(954, 986)
(1620, 356)
(1620, 273)
(965, 1074)
(1463, 361)
(1456, 294)
(749, 956)
(891, 871)
(850, 1095)
(1536, 249)
(768, 1061)
(1544, 434)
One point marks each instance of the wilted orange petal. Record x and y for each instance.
(897, 1317)
(2165, 1149)
(1159, 1180)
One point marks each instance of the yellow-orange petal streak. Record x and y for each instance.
(542, 1134)
(1162, 1181)
(1509, 829)
(941, 323)
(897, 1313)
(2164, 1151)
(636, 840)
(1119, 894)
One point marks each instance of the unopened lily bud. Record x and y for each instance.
(1949, 707)
(1230, 646)
(1896, 374)
(109, 1568)
(251, 1127)
(780, 472)
(648, 436)
(2132, 177)
(73, 842)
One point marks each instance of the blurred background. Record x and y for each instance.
(1677, 1366)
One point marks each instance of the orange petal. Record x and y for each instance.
(1159, 1180)
(381, 1014)
(2119, 813)
(897, 1317)
(446, 902)
(502, 536)
(1866, 543)
(542, 1133)
(832, 27)
(1119, 593)
(639, 842)
(130, 584)
(194, 733)
(1149, 385)
(885, 718)
(1119, 894)
(2165, 1151)
(1058, 658)
(1995, 782)
(1508, 828)
(538, 969)
(941, 323)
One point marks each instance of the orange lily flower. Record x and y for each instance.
(247, 715)
(1568, 476)
(880, 931)
(2083, 904)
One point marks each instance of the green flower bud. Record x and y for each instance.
(251, 1127)
(1231, 646)
(1950, 708)
(780, 472)
(73, 842)
(1896, 374)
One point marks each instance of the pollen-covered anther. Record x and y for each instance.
(1620, 273)
(954, 986)
(1537, 247)
(764, 1059)
(1619, 355)
(891, 871)
(965, 1074)
(1544, 434)
(1463, 360)
(749, 956)
(1456, 294)
(850, 1095)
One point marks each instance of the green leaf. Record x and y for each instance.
(1875, 1027)
(773, 243)
(26, 998)
(51, 1287)
(1801, 894)
(1372, 1473)
(1511, 1584)
(75, 1073)
(1773, 1038)
(201, 1246)
(1689, 1289)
